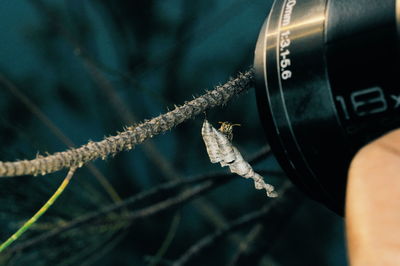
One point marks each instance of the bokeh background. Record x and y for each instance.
(74, 71)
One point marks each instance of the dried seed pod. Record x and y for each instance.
(220, 150)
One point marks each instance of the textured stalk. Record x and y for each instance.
(40, 212)
(132, 136)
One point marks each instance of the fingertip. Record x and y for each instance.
(376, 158)
(373, 201)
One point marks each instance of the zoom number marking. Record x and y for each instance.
(285, 41)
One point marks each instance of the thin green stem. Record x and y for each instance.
(39, 213)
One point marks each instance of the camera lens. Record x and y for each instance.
(326, 79)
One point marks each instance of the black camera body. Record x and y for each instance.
(326, 79)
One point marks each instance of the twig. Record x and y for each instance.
(273, 231)
(247, 219)
(132, 136)
(245, 244)
(183, 197)
(104, 249)
(39, 213)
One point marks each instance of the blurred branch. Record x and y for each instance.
(273, 232)
(196, 38)
(246, 243)
(208, 182)
(161, 189)
(183, 197)
(245, 220)
(102, 249)
(167, 241)
(88, 254)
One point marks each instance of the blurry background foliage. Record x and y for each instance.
(92, 67)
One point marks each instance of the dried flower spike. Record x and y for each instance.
(220, 150)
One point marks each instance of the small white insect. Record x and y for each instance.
(220, 150)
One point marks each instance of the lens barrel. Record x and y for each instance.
(326, 80)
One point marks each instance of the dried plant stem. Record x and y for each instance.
(132, 136)
(39, 213)
(58, 133)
